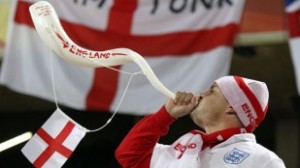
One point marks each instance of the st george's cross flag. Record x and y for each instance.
(54, 142)
(293, 10)
(188, 44)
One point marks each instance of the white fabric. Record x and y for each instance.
(239, 151)
(200, 19)
(198, 66)
(295, 52)
(26, 64)
(30, 73)
(293, 8)
(68, 10)
(53, 126)
(239, 100)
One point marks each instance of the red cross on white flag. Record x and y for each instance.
(188, 44)
(54, 142)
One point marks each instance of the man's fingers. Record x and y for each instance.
(183, 98)
(188, 98)
(196, 99)
(178, 97)
(183, 104)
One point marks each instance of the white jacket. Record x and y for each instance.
(140, 149)
(239, 151)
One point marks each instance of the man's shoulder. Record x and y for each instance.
(243, 149)
(264, 152)
(246, 144)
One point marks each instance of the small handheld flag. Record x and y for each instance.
(54, 142)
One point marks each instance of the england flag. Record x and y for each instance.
(188, 44)
(54, 142)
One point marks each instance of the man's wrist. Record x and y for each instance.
(163, 117)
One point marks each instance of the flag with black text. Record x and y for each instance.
(188, 44)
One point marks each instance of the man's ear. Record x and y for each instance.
(230, 111)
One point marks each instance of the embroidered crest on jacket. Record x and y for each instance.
(235, 156)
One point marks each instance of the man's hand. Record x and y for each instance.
(184, 103)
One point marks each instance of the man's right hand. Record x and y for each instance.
(183, 104)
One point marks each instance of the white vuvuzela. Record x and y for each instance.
(51, 32)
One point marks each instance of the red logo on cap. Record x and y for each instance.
(247, 110)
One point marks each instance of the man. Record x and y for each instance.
(228, 112)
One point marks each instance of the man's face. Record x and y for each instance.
(211, 108)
